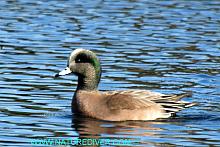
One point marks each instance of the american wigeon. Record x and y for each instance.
(115, 105)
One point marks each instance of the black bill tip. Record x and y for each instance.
(56, 75)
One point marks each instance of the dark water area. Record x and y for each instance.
(164, 46)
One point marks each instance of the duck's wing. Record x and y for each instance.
(117, 100)
(136, 99)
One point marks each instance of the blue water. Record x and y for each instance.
(164, 46)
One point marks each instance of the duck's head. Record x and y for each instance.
(85, 64)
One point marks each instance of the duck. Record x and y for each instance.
(123, 105)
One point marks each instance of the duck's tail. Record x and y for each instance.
(173, 103)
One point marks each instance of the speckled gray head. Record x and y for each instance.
(85, 64)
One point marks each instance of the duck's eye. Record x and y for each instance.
(81, 58)
(78, 60)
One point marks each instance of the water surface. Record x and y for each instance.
(165, 46)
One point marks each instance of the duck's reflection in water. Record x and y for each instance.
(88, 128)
